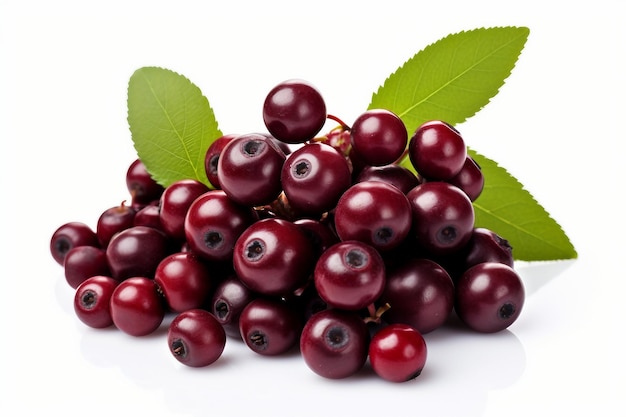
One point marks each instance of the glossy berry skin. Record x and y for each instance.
(69, 235)
(273, 257)
(470, 179)
(228, 301)
(350, 275)
(420, 293)
(320, 233)
(150, 216)
(313, 178)
(175, 202)
(398, 353)
(489, 297)
(137, 308)
(141, 186)
(379, 137)
(294, 111)
(269, 326)
(184, 281)
(249, 169)
(214, 223)
(374, 212)
(195, 338)
(443, 217)
(485, 245)
(334, 343)
(396, 175)
(113, 220)
(212, 157)
(83, 262)
(136, 251)
(92, 301)
(437, 150)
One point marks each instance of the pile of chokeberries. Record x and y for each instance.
(324, 243)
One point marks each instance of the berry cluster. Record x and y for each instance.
(322, 242)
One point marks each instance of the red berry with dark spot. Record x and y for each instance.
(68, 236)
(195, 338)
(137, 308)
(92, 301)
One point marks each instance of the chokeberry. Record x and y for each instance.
(195, 338)
(137, 308)
(334, 343)
(175, 202)
(83, 262)
(68, 236)
(92, 301)
(379, 137)
(437, 150)
(294, 111)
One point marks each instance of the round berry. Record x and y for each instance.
(68, 236)
(175, 202)
(379, 137)
(112, 221)
(437, 150)
(141, 186)
(398, 176)
(313, 178)
(489, 297)
(470, 179)
(350, 275)
(269, 326)
(228, 301)
(273, 257)
(136, 251)
(83, 262)
(443, 217)
(249, 169)
(195, 338)
(398, 353)
(485, 245)
(92, 301)
(213, 224)
(184, 280)
(137, 308)
(212, 157)
(420, 293)
(373, 212)
(294, 111)
(334, 343)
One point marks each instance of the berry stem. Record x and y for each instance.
(344, 126)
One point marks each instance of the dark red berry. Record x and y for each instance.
(228, 301)
(489, 297)
(437, 150)
(396, 175)
(485, 245)
(379, 137)
(398, 353)
(375, 213)
(92, 301)
(137, 308)
(350, 275)
(334, 343)
(313, 178)
(195, 338)
(141, 186)
(112, 221)
(136, 251)
(294, 111)
(175, 202)
(68, 236)
(184, 280)
(213, 156)
(443, 217)
(470, 179)
(273, 257)
(249, 169)
(83, 262)
(269, 326)
(420, 293)
(213, 224)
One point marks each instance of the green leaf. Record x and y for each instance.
(452, 78)
(507, 208)
(172, 125)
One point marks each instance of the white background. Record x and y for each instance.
(556, 125)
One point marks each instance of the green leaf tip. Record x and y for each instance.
(507, 208)
(171, 123)
(452, 78)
